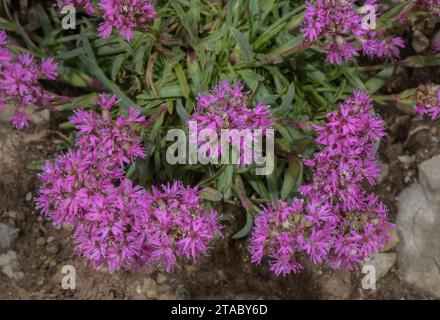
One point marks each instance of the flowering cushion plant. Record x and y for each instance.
(311, 71)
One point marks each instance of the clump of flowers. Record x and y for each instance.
(428, 100)
(113, 144)
(355, 224)
(19, 81)
(102, 149)
(125, 16)
(108, 233)
(122, 15)
(87, 5)
(339, 28)
(342, 169)
(178, 225)
(226, 107)
(284, 232)
(116, 224)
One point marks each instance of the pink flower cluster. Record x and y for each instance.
(428, 100)
(122, 15)
(226, 107)
(338, 26)
(116, 224)
(283, 232)
(19, 81)
(178, 225)
(125, 16)
(343, 223)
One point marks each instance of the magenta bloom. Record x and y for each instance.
(87, 5)
(340, 222)
(86, 190)
(103, 148)
(106, 236)
(339, 27)
(178, 225)
(283, 232)
(348, 158)
(342, 169)
(113, 143)
(19, 81)
(125, 16)
(66, 186)
(389, 47)
(226, 107)
(20, 120)
(428, 100)
(436, 45)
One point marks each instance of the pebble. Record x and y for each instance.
(161, 278)
(10, 266)
(28, 196)
(338, 286)
(40, 241)
(7, 235)
(419, 42)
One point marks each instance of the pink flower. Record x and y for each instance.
(390, 47)
(428, 100)
(49, 69)
(125, 16)
(282, 232)
(226, 107)
(178, 225)
(19, 81)
(338, 27)
(87, 5)
(20, 120)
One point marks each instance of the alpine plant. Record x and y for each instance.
(341, 222)
(124, 16)
(116, 224)
(338, 27)
(226, 107)
(20, 77)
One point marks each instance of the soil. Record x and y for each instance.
(226, 273)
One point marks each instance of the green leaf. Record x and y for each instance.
(246, 228)
(181, 77)
(181, 111)
(290, 177)
(243, 42)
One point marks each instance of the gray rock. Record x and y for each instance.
(383, 262)
(338, 286)
(418, 222)
(11, 214)
(10, 266)
(429, 176)
(419, 42)
(7, 235)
